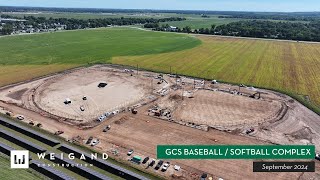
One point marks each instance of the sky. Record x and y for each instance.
(215, 5)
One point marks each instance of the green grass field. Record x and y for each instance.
(88, 46)
(26, 57)
(6, 173)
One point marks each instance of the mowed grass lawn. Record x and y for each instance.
(29, 56)
(287, 66)
(6, 173)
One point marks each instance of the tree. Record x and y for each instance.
(187, 29)
(7, 29)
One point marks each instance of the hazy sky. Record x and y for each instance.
(219, 5)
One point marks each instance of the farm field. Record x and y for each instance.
(25, 57)
(91, 15)
(286, 66)
(17, 73)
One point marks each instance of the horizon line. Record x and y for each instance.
(161, 9)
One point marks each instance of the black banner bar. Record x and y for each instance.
(284, 166)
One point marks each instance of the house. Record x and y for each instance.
(172, 28)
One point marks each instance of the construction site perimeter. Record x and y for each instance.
(146, 109)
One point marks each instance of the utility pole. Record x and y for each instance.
(137, 69)
(182, 92)
(194, 83)
(176, 79)
(151, 85)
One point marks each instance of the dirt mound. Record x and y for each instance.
(175, 97)
(17, 95)
(122, 120)
(304, 133)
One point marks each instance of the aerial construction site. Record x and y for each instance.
(124, 109)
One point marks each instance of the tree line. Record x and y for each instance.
(95, 23)
(71, 23)
(256, 29)
(290, 17)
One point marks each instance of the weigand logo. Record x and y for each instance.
(71, 156)
(19, 159)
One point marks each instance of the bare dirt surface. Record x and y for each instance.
(223, 109)
(276, 118)
(122, 90)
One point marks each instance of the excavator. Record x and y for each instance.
(255, 95)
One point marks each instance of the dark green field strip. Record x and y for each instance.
(88, 46)
(6, 173)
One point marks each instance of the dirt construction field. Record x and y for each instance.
(122, 90)
(222, 109)
(276, 118)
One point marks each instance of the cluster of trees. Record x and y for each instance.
(167, 27)
(205, 16)
(95, 23)
(289, 17)
(258, 29)
(7, 29)
(268, 29)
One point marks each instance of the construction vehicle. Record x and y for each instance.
(130, 152)
(58, 133)
(152, 163)
(134, 111)
(95, 142)
(158, 165)
(249, 131)
(89, 140)
(255, 94)
(20, 117)
(145, 160)
(107, 128)
(165, 166)
(176, 167)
